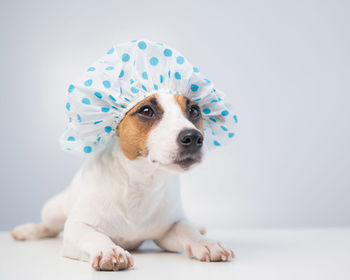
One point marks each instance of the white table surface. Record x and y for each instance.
(260, 254)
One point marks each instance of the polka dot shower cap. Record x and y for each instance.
(124, 76)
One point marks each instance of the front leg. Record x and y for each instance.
(81, 238)
(184, 237)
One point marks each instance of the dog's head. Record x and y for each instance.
(167, 129)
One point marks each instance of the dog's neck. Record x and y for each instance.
(139, 172)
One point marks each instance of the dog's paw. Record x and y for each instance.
(208, 251)
(115, 258)
(30, 232)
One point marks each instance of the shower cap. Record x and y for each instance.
(125, 75)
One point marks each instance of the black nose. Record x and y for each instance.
(190, 140)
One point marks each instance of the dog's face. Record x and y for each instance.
(167, 129)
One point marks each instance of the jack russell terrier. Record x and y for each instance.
(129, 192)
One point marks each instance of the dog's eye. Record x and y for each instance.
(146, 111)
(194, 112)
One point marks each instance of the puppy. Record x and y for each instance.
(130, 192)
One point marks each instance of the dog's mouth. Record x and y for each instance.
(185, 161)
(182, 162)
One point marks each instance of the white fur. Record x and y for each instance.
(162, 144)
(113, 204)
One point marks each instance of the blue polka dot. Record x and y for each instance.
(87, 149)
(90, 69)
(142, 45)
(145, 75)
(144, 88)
(177, 76)
(206, 111)
(169, 73)
(68, 106)
(195, 69)
(70, 88)
(106, 84)
(180, 60)
(154, 61)
(133, 41)
(98, 95)
(78, 118)
(112, 97)
(97, 122)
(196, 100)
(125, 57)
(224, 128)
(206, 80)
(155, 87)
(70, 138)
(168, 52)
(108, 129)
(110, 51)
(88, 83)
(121, 74)
(194, 87)
(231, 134)
(126, 99)
(216, 143)
(213, 101)
(235, 118)
(105, 109)
(86, 101)
(131, 81)
(224, 113)
(109, 68)
(212, 119)
(134, 90)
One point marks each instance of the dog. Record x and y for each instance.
(129, 193)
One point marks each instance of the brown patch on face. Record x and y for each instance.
(135, 127)
(185, 104)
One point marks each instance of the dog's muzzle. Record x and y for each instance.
(190, 142)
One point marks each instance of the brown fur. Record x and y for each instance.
(133, 131)
(184, 104)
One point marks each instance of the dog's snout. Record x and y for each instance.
(190, 140)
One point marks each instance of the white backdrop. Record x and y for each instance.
(285, 65)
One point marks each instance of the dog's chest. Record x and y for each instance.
(143, 212)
